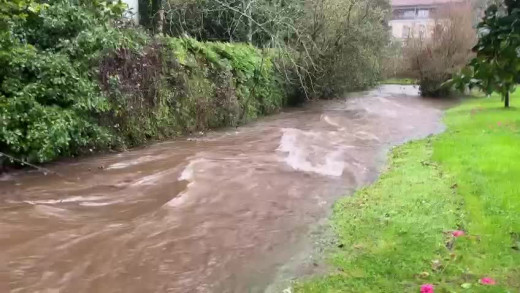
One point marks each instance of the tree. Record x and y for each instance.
(11, 10)
(496, 67)
(433, 60)
(341, 43)
(325, 46)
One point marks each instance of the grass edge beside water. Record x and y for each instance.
(396, 234)
(400, 81)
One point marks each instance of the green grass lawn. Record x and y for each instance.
(396, 235)
(402, 81)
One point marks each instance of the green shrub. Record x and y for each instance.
(46, 104)
(49, 101)
(75, 77)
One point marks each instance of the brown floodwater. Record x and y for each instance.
(218, 213)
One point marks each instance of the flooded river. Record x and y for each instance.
(218, 213)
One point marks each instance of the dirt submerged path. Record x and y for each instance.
(221, 213)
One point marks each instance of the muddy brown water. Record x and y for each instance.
(219, 213)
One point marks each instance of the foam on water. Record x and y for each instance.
(329, 121)
(99, 204)
(151, 179)
(140, 160)
(187, 174)
(71, 199)
(306, 157)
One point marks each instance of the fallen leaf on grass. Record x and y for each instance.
(487, 281)
(457, 233)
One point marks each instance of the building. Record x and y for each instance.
(416, 18)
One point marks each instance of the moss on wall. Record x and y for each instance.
(177, 86)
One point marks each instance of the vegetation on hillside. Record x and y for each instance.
(333, 45)
(175, 86)
(76, 76)
(49, 97)
(445, 213)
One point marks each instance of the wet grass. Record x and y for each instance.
(401, 81)
(395, 235)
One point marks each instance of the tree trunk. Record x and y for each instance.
(506, 100)
(158, 16)
(249, 22)
(249, 31)
(160, 21)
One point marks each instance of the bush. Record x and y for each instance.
(433, 61)
(47, 102)
(394, 63)
(341, 45)
(51, 104)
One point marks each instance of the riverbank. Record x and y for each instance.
(400, 81)
(226, 200)
(446, 212)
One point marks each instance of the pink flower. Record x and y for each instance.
(499, 123)
(487, 281)
(427, 288)
(457, 233)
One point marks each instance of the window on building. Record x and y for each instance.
(423, 13)
(406, 32)
(409, 13)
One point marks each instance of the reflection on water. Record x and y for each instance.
(214, 214)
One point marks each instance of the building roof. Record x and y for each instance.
(422, 2)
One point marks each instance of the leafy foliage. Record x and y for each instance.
(45, 102)
(496, 68)
(49, 99)
(13, 10)
(76, 76)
